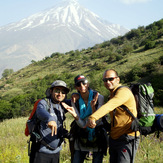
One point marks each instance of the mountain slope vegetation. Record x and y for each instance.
(137, 56)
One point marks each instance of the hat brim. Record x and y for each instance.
(48, 90)
(80, 80)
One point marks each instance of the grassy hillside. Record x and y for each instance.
(137, 56)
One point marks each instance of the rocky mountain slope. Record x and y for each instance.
(65, 27)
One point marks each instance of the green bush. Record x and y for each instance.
(7, 72)
(5, 110)
(127, 48)
(133, 33)
(149, 45)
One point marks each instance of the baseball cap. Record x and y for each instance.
(79, 78)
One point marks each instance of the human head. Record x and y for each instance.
(81, 84)
(111, 79)
(57, 91)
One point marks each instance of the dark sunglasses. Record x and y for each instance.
(58, 91)
(83, 82)
(110, 79)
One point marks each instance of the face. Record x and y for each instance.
(58, 94)
(110, 79)
(82, 87)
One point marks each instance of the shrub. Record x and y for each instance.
(127, 49)
(149, 45)
(5, 110)
(7, 72)
(133, 33)
(118, 57)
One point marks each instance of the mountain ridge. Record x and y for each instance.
(64, 27)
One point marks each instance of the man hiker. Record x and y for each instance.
(123, 143)
(50, 115)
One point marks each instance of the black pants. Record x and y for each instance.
(46, 158)
(34, 148)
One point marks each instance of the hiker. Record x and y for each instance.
(85, 141)
(51, 124)
(123, 143)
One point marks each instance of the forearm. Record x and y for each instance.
(100, 101)
(76, 113)
(103, 110)
(81, 123)
(118, 100)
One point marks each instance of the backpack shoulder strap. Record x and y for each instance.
(119, 88)
(126, 109)
(34, 108)
(48, 104)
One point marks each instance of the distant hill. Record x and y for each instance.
(137, 56)
(67, 26)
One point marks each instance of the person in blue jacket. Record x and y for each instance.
(51, 115)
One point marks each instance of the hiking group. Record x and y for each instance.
(90, 132)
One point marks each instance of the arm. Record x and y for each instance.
(75, 113)
(93, 102)
(100, 101)
(71, 110)
(98, 98)
(119, 99)
(43, 115)
(74, 97)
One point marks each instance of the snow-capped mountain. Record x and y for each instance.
(67, 26)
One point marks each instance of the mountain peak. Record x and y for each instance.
(71, 1)
(64, 27)
(65, 12)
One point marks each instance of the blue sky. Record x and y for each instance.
(128, 13)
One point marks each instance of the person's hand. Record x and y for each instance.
(91, 123)
(71, 110)
(93, 102)
(53, 126)
(74, 97)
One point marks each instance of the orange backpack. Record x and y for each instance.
(27, 129)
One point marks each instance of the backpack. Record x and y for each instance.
(159, 122)
(31, 122)
(145, 122)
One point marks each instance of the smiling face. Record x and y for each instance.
(58, 94)
(82, 87)
(111, 80)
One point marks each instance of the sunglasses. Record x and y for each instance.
(83, 82)
(110, 79)
(59, 91)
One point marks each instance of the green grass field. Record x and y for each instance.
(14, 148)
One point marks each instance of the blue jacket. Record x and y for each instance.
(47, 112)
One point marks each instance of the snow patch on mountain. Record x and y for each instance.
(64, 27)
